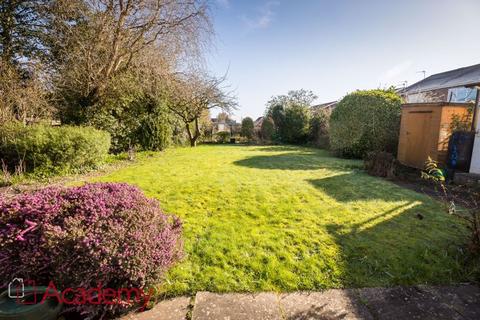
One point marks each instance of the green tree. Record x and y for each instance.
(277, 114)
(319, 128)
(290, 115)
(22, 26)
(247, 128)
(295, 129)
(364, 121)
(134, 115)
(267, 131)
(298, 97)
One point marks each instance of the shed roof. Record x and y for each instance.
(462, 77)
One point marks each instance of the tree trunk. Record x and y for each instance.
(191, 137)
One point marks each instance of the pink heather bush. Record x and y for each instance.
(78, 237)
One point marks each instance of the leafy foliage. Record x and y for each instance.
(366, 121)
(80, 237)
(290, 114)
(97, 64)
(462, 123)
(22, 25)
(267, 131)
(295, 129)
(319, 128)
(247, 128)
(47, 150)
(222, 137)
(433, 172)
(466, 208)
(134, 119)
(295, 97)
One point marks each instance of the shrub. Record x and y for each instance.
(380, 164)
(79, 237)
(290, 114)
(222, 137)
(295, 129)
(155, 131)
(139, 122)
(366, 121)
(247, 128)
(319, 128)
(290, 122)
(48, 150)
(267, 131)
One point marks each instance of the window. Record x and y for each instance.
(462, 94)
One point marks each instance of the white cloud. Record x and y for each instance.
(264, 17)
(397, 70)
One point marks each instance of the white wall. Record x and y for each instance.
(475, 165)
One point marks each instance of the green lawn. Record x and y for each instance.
(292, 218)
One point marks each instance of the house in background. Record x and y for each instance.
(432, 105)
(329, 106)
(222, 123)
(451, 86)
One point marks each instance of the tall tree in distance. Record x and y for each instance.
(290, 114)
(22, 25)
(247, 128)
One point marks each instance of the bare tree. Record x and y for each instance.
(22, 86)
(97, 40)
(189, 96)
(22, 95)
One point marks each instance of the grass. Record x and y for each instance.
(292, 218)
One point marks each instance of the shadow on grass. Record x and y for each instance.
(415, 242)
(411, 243)
(298, 161)
(355, 186)
(397, 248)
(282, 148)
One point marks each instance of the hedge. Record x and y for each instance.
(47, 150)
(366, 121)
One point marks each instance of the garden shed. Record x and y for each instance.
(425, 130)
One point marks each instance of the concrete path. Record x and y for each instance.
(419, 302)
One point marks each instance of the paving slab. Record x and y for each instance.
(211, 306)
(329, 304)
(464, 299)
(419, 302)
(172, 309)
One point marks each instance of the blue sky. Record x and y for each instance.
(337, 46)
